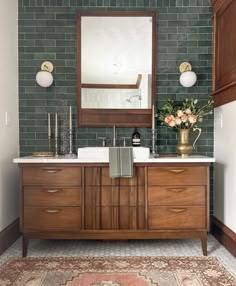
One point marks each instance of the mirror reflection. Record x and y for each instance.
(116, 62)
(116, 68)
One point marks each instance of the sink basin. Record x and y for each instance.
(141, 152)
(102, 153)
(93, 153)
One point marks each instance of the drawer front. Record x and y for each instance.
(55, 175)
(177, 175)
(42, 218)
(177, 217)
(42, 196)
(176, 195)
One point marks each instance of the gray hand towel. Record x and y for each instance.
(121, 162)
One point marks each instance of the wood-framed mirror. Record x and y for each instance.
(116, 68)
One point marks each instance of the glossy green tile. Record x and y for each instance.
(47, 31)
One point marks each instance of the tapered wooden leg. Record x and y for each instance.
(204, 243)
(25, 243)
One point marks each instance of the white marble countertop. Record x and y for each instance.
(151, 159)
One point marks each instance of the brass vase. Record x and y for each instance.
(183, 148)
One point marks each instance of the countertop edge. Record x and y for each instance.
(191, 159)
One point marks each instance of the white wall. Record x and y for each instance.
(225, 166)
(9, 137)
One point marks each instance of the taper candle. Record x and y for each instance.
(56, 127)
(70, 119)
(153, 117)
(49, 126)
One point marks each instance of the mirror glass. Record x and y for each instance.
(116, 64)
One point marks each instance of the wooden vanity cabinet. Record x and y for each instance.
(81, 201)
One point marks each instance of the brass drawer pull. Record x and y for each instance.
(176, 190)
(51, 170)
(177, 171)
(52, 191)
(52, 211)
(177, 210)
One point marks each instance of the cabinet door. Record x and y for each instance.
(112, 204)
(98, 207)
(114, 207)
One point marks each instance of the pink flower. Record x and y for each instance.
(192, 118)
(188, 111)
(184, 117)
(172, 123)
(178, 121)
(180, 113)
(169, 118)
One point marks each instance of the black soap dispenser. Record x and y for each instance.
(136, 141)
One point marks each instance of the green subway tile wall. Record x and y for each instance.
(47, 31)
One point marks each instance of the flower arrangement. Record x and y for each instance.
(185, 114)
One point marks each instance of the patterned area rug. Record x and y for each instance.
(115, 271)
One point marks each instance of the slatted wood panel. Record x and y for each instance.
(113, 203)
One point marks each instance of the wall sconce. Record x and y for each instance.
(187, 78)
(44, 77)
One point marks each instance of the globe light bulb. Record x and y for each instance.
(188, 78)
(44, 78)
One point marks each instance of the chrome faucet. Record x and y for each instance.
(114, 136)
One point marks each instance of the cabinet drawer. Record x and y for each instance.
(176, 195)
(172, 217)
(51, 218)
(43, 196)
(55, 175)
(177, 175)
